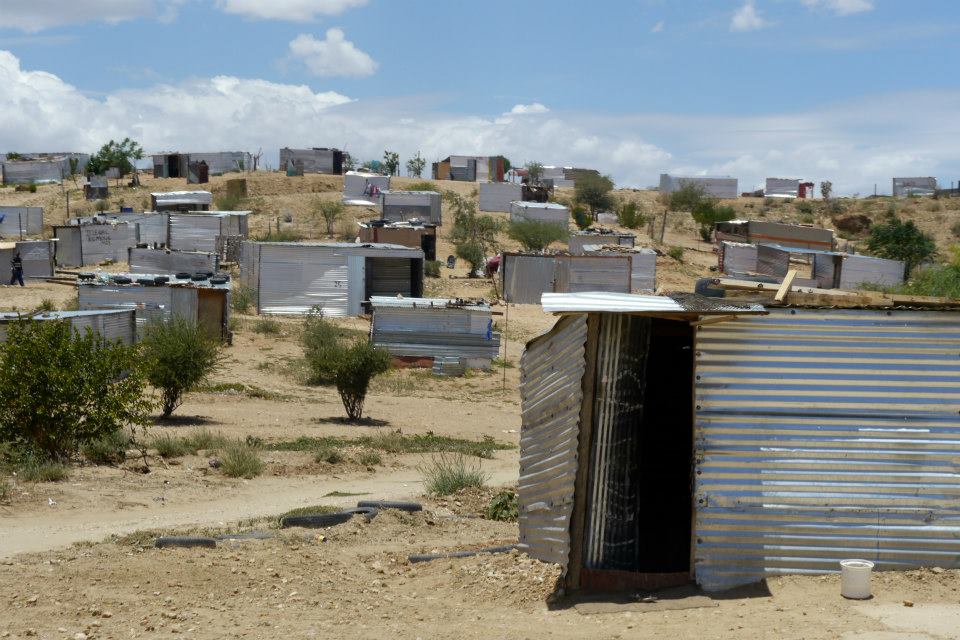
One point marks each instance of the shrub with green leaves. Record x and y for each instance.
(804, 207)
(676, 253)
(330, 211)
(473, 235)
(686, 197)
(421, 186)
(267, 326)
(178, 355)
(630, 215)
(708, 213)
(240, 460)
(431, 268)
(899, 240)
(537, 235)
(108, 449)
(242, 297)
(503, 507)
(60, 389)
(446, 473)
(593, 191)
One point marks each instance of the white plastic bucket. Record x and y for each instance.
(855, 579)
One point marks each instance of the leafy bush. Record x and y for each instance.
(630, 216)
(676, 253)
(937, 280)
(898, 240)
(805, 207)
(503, 507)
(46, 305)
(280, 235)
(580, 217)
(177, 356)
(330, 211)
(267, 326)
(369, 458)
(330, 455)
(686, 198)
(60, 389)
(242, 298)
(473, 254)
(109, 449)
(473, 235)
(448, 473)
(536, 235)
(228, 202)
(240, 460)
(170, 446)
(431, 268)
(593, 191)
(332, 360)
(707, 213)
(421, 186)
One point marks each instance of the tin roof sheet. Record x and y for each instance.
(594, 301)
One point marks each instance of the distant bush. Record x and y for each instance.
(61, 390)
(593, 191)
(280, 235)
(707, 213)
(177, 356)
(503, 507)
(369, 458)
(676, 253)
(46, 305)
(537, 235)
(473, 235)
(240, 460)
(330, 455)
(431, 268)
(898, 240)
(580, 217)
(955, 229)
(228, 202)
(631, 216)
(805, 207)
(421, 186)
(448, 473)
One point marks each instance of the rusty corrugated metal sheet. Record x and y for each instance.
(551, 388)
(826, 434)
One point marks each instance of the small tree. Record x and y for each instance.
(415, 166)
(826, 189)
(331, 212)
(630, 216)
(686, 198)
(708, 213)
(74, 169)
(580, 217)
(178, 355)
(116, 155)
(391, 162)
(593, 191)
(898, 240)
(537, 235)
(473, 235)
(534, 172)
(60, 389)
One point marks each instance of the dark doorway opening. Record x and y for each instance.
(637, 519)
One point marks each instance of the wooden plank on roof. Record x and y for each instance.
(785, 286)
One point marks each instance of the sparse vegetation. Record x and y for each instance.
(447, 473)
(33, 469)
(631, 216)
(534, 172)
(804, 207)
(955, 229)
(431, 268)
(686, 198)
(593, 192)
(708, 213)
(228, 202)
(415, 166)
(396, 442)
(504, 507)
(172, 446)
(369, 458)
(676, 253)
(312, 510)
(826, 189)
(177, 356)
(239, 459)
(421, 186)
(280, 235)
(537, 235)
(474, 235)
(108, 449)
(242, 298)
(267, 326)
(898, 240)
(330, 211)
(391, 163)
(330, 455)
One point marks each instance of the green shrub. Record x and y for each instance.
(448, 473)
(421, 186)
(804, 207)
(593, 191)
(537, 235)
(240, 460)
(280, 235)
(935, 280)
(170, 446)
(60, 389)
(228, 202)
(33, 188)
(369, 458)
(630, 216)
(109, 449)
(46, 305)
(312, 510)
(708, 213)
(686, 198)
(36, 470)
(580, 217)
(676, 253)
(898, 240)
(204, 439)
(242, 298)
(473, 235)
(330, 211)
(178, 355)
(267, 326)
(330, 455)
(471, 253)
(503, 507)
(431, 268)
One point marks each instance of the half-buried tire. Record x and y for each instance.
(409, 507)
(316, 521)
(164, 542)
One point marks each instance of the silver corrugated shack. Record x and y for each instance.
(364, 189)
(579, 239)
(37, 257)
(823, 269)
(540, 211)
(497, 196)
(449, 335)
(811, 435)
(339, 278)
(204, 231)
(160, 297)
(527, 276)
(643, 264)
(181, 201)
(78, 245)
(110, 324)
(397, 206)
(778, 233)
(20, 222)
(168, 261)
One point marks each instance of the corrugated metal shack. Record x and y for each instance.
(497, 196)
(160, 297)
(922, 186)
(41, 168)
(714, 186)
(37, 256)
(738, 259)
(79, 245)
(643, 264)
(579, 239)
(778, 233)
(781, 188)
(364, 189)
(151, 227)
(181, 201)
(418, 236)
(339, 278)
(203, 231)
(111, 324)
(146, 260)
(541, 211)
(525, 277)
(315, 160)
(470, 168)
(397, 206)
(20, 222)
(811, 435)
(176, 165)
(447, 335)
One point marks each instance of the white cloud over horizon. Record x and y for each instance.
(332, 56)
(853, 144)
(288, 10)
(527, 109)
(747, 18)
(841, 7)
(32, 16)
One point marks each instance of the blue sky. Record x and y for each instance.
(849, 90)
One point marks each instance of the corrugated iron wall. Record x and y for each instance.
(858, 270)
(551, 387)
(526, 278)
(593, 273)
(460, 334)
(162, 261)
(294, 279)
(20, 222)
(738, 258)
(190, 232)
(826, 434)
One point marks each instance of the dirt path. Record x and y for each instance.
(57, 527)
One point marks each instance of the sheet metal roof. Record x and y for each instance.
(596, 301)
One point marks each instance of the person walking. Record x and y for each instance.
(16, 269)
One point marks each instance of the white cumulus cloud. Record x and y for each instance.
(332, 56)
(747, 18)
(290, 10)
(36, 15)
(526, 109)
(841, 7)
(657, 28)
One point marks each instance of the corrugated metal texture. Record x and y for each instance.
(417, 328)
(858, 270)
(27, 171)
(714, 186)
(293, 279)
(497, 196)
(224, 161)
(397, 206)
(112, 325)
(826, 269)
(789, 235)
(737, 258)
(249, 265)
(542, 211)
(152, 226)
(921, 186)
(772, 261)
(389, 277)
(826, 434)
(148, 302)
(191, 232)
(577, 274)
(643, 277)
(527, 278)
(652, 305)
(362, 185)
(552, 368)
(175, 199)
(312, 160)
(781, 187)
(20, 222)
(68, 249)
(37, 256)
(165, 261)
(94, 243)
(578, 241)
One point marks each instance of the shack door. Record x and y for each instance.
(210, 311)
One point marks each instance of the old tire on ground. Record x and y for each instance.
(317, 520)
(409, 507)
(367, 512)
(184, 541)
